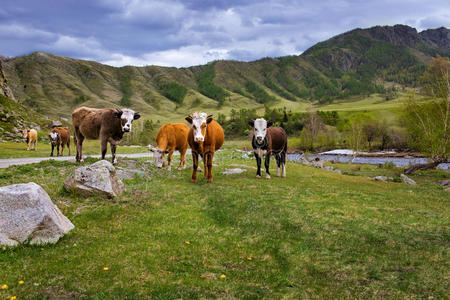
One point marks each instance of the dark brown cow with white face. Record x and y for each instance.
(269, 140)
(59, 136)
(107, 124)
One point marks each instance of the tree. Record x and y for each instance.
(428, 122)
(313, 124)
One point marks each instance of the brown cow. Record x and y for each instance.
(269, 140)
(59, 136)
(31, 138)
(107, 124)
(205, 137)
(171, 137)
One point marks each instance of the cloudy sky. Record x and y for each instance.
(191, 32)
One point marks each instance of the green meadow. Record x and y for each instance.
(314, 234)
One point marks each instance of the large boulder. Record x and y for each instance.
(28, 214)
(99, 178)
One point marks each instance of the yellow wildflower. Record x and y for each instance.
(4, 286)
(249, 258)
(105, 268)
(21, 282)
(13, 298)
(187, 243)
(223, 276)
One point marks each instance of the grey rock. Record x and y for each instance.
(130, 173)
(380, 178)
(233, 171)
(244, 156)
(55, 124)
(407, 180)
(64, 119)
(444, 182)
(99, 178)
(27, 214)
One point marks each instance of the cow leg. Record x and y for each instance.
(57, 150)
(103, 146)
(209, 162)
(267, 165)
(62, 149)
(68, 146)
(205, 164)
(113, 152)
(278, 159)
(79, 138)
(29, 144)
(53, 147)
(283, 161)
(258, 165)
(169, 160)
(182, 159)
(194, 166)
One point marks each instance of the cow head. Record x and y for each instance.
(25, 133)
(199, 121)
(126, 117)
(159, 156)
(260, 129)
(53, 137)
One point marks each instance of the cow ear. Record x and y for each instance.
(188, 119)
(136, 115)
(209, 119)
(251, 123)
(118, 113)
(269, 123)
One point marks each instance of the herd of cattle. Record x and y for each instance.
(204, 137)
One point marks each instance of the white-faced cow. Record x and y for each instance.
(204, 137)
(171, 137)
(107, 124)
(268, 141)
(59, 136)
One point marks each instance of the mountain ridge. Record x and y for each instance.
(357, 62)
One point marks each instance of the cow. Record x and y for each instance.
(106, 124)
(171, 137)
(31, 138)
(269, 140)
(205, 137)
(59, 136)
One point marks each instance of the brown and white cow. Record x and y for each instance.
(31, 138)
(269, 140)
(171, 137)
(59, 136)
(106, 124)
(205, 137)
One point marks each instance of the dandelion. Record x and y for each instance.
(249, 258)
(105, 268)
(21, 282)
(187, 243)
(4, 286)
(13, 298)
(223, 276)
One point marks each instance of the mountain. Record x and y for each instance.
(358, 62)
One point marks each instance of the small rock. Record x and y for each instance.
(99, 178)
(407, 180)
(444, 182)
(244, 156)
(233, 171)
(380, 178)
(55, 124)
(243, 166)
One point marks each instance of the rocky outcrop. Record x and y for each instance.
(4, 89)
(99, 178)
(27, 214)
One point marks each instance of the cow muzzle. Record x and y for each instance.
(259, 139)
(199, 139)
(126, 129)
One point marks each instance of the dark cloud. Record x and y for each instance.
(182, 33)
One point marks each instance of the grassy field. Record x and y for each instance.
(90, 147)
(315, 234)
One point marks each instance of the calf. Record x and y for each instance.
(171, 137)
(107, 124)
(59, 136)
(204, 137)
(269, 140)
(31, 138)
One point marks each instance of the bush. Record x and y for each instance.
(174, 91)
